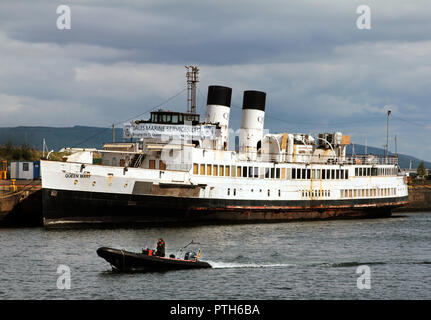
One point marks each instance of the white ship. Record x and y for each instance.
(177, 169)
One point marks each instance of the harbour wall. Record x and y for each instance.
(20, 206)
(419, 198)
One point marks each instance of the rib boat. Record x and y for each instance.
(123, 260)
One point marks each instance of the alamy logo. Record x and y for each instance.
(63, 281)
(364, 280)
(364, 20)
(64, 20)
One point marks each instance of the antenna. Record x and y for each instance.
(113, 133)
(192, 80)
(396, 152)
(387, 134)
(366, 146)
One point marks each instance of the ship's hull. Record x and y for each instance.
(63, 208)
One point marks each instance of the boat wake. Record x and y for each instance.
(231, 265)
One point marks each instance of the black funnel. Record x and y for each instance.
(219, 95)
(254, 100)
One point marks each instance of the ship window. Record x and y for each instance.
(202, 170)
(162, 165)
(346, 174)
(357, 172)
(238, 172)
(233, 171)
(227, 171)
(374, 172)
(168, 118)
(323, 173)
(266, 173)
(272, 173)
(279, 193)
(195, 168)
(244, 172)
(338, 174)
(250, 172)
(256, 172)
(303, 173)
(180, 118)
(208, 169)
(164, 118)
(277, 173)
(114, 161)
(269, 193)
(333, 173)
(221, 171)
(228, 191)
(25, 166)
(234, 192)
(283, 173)
(293, 173)
(174, 118)
(215, 169)
(308, 173)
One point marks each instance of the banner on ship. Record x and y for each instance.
(149, 130)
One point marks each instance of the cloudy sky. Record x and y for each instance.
(321, 73)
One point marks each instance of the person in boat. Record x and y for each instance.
(160, 249)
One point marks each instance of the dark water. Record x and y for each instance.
(304, 260)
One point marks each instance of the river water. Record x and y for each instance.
(295, 260)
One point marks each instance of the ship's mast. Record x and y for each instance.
(192, 80)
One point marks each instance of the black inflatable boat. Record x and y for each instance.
(130, 261)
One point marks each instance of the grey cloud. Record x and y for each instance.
(320, 72)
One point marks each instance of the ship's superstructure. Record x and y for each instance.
(178, 168)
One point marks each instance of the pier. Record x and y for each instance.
(20, 203)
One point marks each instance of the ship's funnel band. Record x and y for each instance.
(219, 95)
(254, 100)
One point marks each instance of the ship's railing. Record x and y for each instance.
(371, 160)
(350, 159)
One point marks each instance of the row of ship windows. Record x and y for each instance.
(369, 172)
(315, 193)
(320, 174)
(361, 193)
(268, 173)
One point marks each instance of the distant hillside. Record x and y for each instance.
(95, 137)
(404, 160)
(57, 138)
